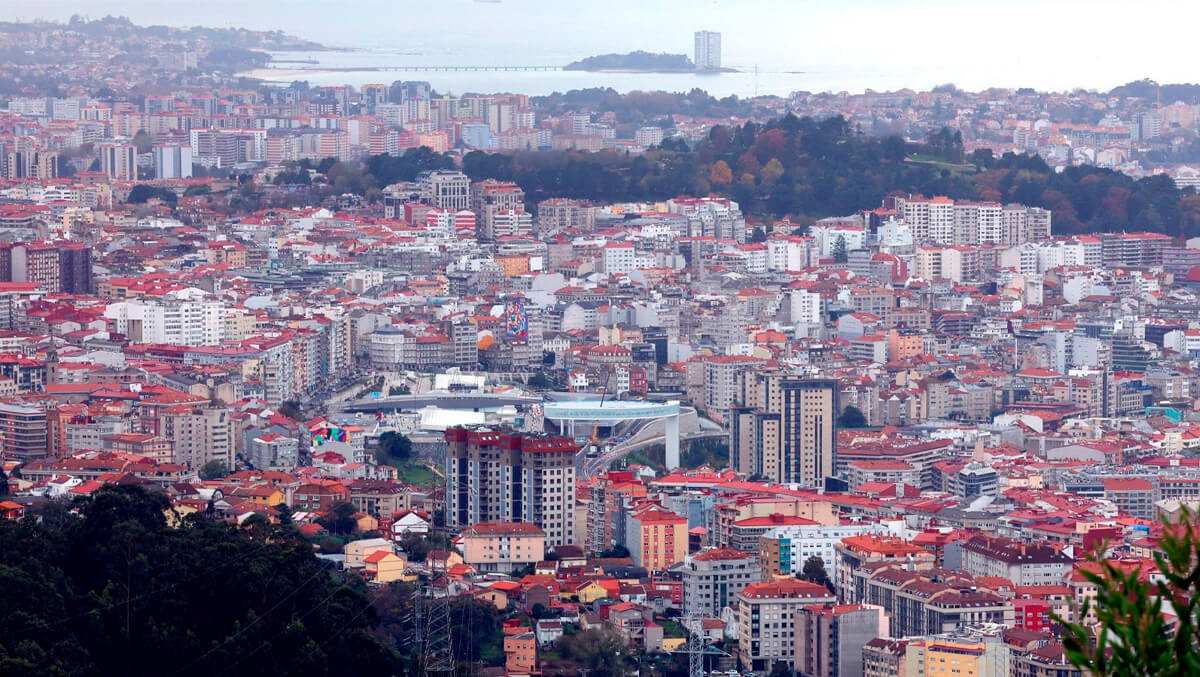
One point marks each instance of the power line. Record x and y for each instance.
(108, 607)
(343, 628)
(295, 591)
(279, 634)
(439, 652)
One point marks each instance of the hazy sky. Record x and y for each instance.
(1100, 43)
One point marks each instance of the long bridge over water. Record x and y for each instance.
(442, 68)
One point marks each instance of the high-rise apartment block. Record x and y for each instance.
(708, 50)
(940, 220)
(767, 619)
(505, 476)
(499, 207)
(784, 428)
(30, 164)
(198, 434)
(170, 322)
(118, 160)
(562, 213)
(59, 267)
(711, 217)
(23, 431)
(173, 161)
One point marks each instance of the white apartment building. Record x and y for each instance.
(940, 220)
(802, 541)
(618, 258)
(978, 223)
(766, 619)
(792, 252)
(446, 189)
(118, 160)
(931, 220)
(173, 161)
(711, 217)
(806, 306)
(1021, 563)
(708, 50)
(713, 578)
(507, 477)
(511, 223)
(652, 136)
(1185, 341)
(827, 238)
(171, 322)
(946, 263)
(1025, 224)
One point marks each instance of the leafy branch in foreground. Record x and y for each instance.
(1145, 621)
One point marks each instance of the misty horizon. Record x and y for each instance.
(1059, 47)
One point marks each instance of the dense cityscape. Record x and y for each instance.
(382, 379)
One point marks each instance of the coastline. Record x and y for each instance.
(274, 74)
(280, 74)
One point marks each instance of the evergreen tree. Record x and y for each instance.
(852, 417)
(394, 447)
(839, 249)
(118, 591)
(814, 570)
(213, 470)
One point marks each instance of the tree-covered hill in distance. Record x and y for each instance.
(633, 61)
(121, 28)
(806, 169)
(1152, 91)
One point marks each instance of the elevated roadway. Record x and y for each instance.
(468, 401)
(614, 412)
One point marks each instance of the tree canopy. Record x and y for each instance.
(394, 448)
(852, 417)
(213, 470)
(144, 192)
(117, 591)
(814, 570)
(597, 651)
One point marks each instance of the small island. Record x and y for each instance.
(637, 62)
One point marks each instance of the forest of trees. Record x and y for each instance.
(1152, 91)
(115, 590)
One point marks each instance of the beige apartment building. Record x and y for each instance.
(501, 547)
(766, 620)
(783, 428)
(198, 434)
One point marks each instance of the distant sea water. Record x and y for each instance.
(381, 65)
